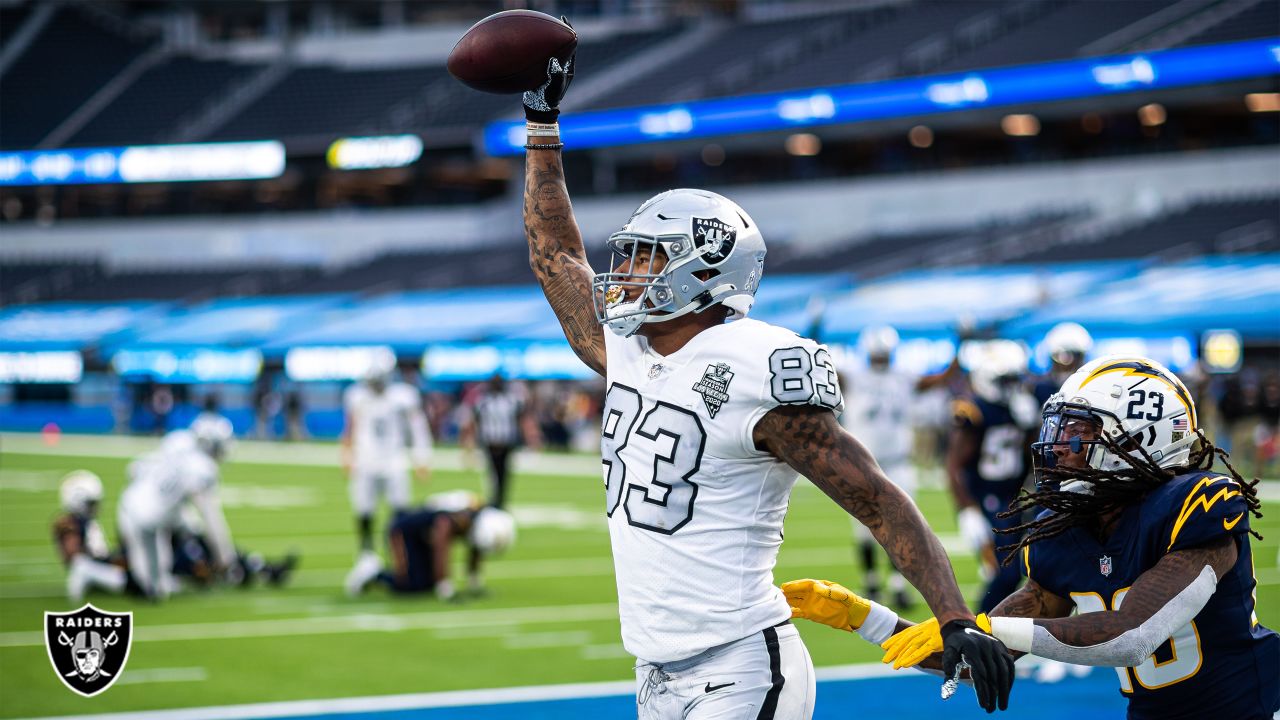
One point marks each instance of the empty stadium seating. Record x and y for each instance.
(312, 101)
(186, 284)
(1204, 228)
(51, 62)
(151, 108)
(1208, 227)
(1263, 18)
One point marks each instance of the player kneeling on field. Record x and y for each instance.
(419, 543)
(1140, 536)
(80, 540)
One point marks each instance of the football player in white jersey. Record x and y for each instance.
(879, 411)
(705, 426)
(381, 418)
(184, 469)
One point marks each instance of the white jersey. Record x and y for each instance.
(879, 412)
(384, 424)
(163, 480)
(695, 510)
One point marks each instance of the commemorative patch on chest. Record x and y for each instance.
(714, 387)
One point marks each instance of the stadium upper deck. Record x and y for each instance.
(80, 74)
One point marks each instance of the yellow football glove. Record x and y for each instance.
(911, 646)
(825, 602)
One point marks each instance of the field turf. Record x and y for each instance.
(550, 617)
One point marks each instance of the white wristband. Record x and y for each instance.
(879, 625)
(1015, 632)
(536, 129)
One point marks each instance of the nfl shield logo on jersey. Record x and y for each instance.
(1104, 565)
(714, 387)
(714, 238)
(88, 647)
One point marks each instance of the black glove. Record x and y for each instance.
(990, 664)
(543, 105)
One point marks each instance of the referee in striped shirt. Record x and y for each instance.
(497, 421)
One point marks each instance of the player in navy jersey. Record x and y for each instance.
(419, 546)
(987, 457)
(1142, 538)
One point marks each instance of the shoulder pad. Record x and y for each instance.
(1201, 507)
(966, 412)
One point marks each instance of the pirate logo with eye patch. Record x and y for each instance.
(88, 647)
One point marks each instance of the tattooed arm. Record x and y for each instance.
(556, 253)
(810, 439)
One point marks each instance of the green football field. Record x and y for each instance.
(550, 617)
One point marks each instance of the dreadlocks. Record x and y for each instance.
(1111, 490)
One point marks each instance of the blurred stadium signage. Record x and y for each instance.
(195, 365)
(144, 163)
(533, 361)
(1044, 82)
(41, 367)
(362, 153)
(1223, 351)
(307, 364)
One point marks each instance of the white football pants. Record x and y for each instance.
(150, 555)
(767, 675)
(367, 485)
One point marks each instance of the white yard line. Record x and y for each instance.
(605, 651)
(352, 623)
(311, 454)
(163, 675)
(529, 641)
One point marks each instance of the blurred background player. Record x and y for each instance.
(987, 456)
(80, 539)
(419, 544)
(382, 418)
(879, 412)
(184, 469)
(1068, 344)
(497, 421)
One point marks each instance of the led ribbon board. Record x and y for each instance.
(1046, 82)
(144, 163)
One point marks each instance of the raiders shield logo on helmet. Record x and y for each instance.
(714, 239)
(88, 647)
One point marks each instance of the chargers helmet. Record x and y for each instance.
(1068, 343)
(1133, 401)
(998, 369)
(715, 255)
(492, 530)
(80, 491)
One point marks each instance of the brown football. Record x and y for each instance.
(508, 52)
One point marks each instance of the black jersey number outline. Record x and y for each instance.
(660, 500)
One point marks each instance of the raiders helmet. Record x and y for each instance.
(715, 255)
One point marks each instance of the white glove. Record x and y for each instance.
(974, 528)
